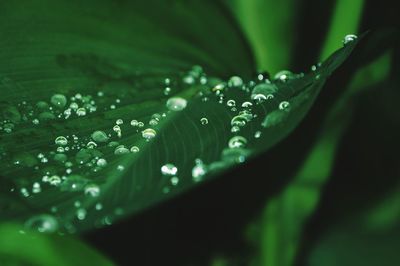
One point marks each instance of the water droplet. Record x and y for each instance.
(235, 155)
(73, 183)
(241, 120)
(54, 180)
(117, 129)
(275, 118)
(36, 188)
(35, 121)
(247, 104)
(91, 145)
(92, 190)
(81, 112)
(284, 105)
(119, 122)
(169, 169)
(58, 100)
(149, 133)
(134, 123)
(199, 170)
(62, 141)
(257, 135)
(176, 104)
(263, 91)
(99, 136)
(167, 90)
(235, 82)
(237, 142)
(153, 122)
(43, 223)
(283, 75)
(135, 149)
(231, 103)
(349, 38)
(174, 180)
(204, 121)
(81, 214)
(121, 150)
(60, 157)
(101, 162)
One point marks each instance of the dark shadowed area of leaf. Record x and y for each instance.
(126, 51)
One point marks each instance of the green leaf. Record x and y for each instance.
(268, 25)
(345, 20)
(21, 247)
(114, 65)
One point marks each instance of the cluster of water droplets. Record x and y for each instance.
(78, 162)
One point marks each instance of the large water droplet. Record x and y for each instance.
(149, 133)
(58, 100)
(43, 223)
(99, 136)
(62, 141)
(176, 104)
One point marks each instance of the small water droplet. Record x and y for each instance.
(174, 180)
(349, 38)
(231, 103)
(237, 142)
(134, 123)
(81, 214)
(81, 112)
(62, 141)
(135, 149)
(199, 170)
(119, 122)
(92, 190)
(283, 75)
(121, 150)
(176, 104)
(284, 105)
(235, 82)
(204, 121)
(169, 169)
(149, 133)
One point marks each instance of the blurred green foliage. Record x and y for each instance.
(304, 221)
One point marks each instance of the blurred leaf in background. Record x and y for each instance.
(19, 246)
(125, 104)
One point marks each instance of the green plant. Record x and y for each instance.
(123, 105)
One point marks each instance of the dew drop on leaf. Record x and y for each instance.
(204, 121)
(58, 100)
(349, 38)
(176, 104)
(169, 169)
(99, 136)
(237, 142)
(43, 223)
(149, 133)
(62, 141)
